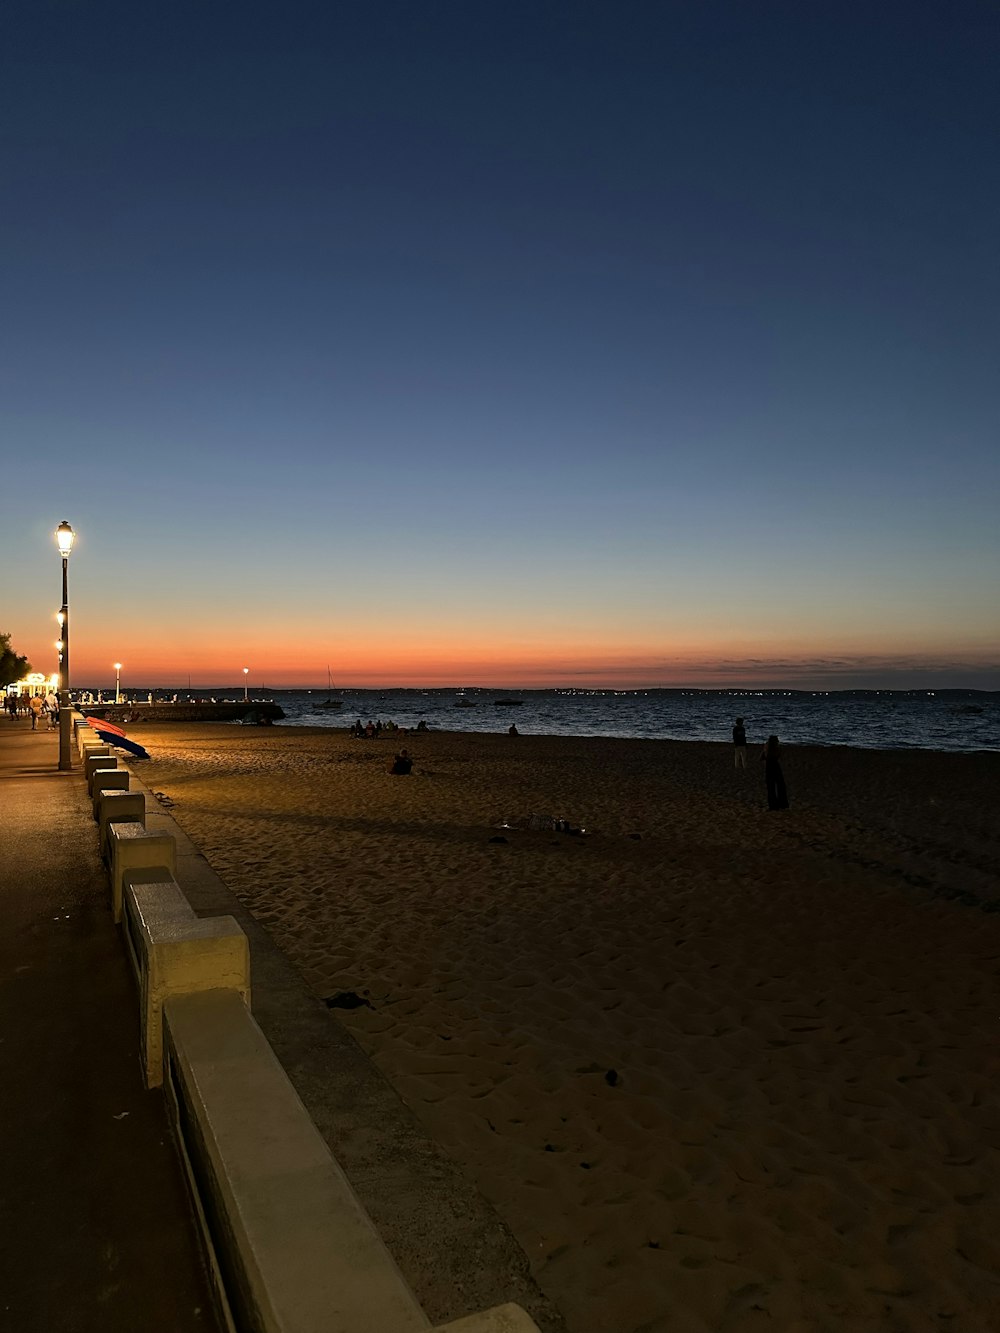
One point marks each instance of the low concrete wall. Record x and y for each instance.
(107, 779)
(292, 1248)
(296, 1251)
(173, 952)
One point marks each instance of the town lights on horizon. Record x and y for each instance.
(65, 537)
(246, 684)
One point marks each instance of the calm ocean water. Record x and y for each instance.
(882, 720)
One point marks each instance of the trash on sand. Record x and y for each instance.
(347, 999)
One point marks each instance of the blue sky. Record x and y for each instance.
(466, 342)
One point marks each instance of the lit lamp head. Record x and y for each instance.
(61, 617)
(117, 666)
(65, 536)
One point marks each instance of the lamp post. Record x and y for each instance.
(65, 536)
(246, 684)
(118, 682)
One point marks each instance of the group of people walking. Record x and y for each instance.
(37, 707)
(774, 778)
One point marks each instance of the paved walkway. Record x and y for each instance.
(96, 1230)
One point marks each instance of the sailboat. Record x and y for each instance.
(329, 701)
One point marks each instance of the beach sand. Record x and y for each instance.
(718, 1068)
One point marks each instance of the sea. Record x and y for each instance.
(949, 719)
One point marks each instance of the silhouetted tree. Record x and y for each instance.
(12, 665)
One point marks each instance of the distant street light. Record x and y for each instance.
(118, 682)
(246, 684)
(65, 536)
(59, 648)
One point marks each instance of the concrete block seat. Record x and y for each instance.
(107, 779)
(118, 807)
(92, 762)
(130, 848)
(175, 952)
(89, 743)
(293, 1250)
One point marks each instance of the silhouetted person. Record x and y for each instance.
(739, 744)
(777, 796)
(512, 730)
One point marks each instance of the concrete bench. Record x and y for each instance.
(116, 807)
(91, 743)
(92, 762)
(175, 952)
(130, 847)
(107, 779)
(293, 1250)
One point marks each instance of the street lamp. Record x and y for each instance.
(246, 683)
(65, 536)
(118, 682)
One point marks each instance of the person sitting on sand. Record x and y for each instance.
(512, 730)
(421, 725)
(402, 763)
(777, 796)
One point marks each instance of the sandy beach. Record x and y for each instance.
(718, 1068)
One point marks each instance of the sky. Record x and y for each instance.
(537, 343)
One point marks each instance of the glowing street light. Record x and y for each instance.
(65, 536)
(118, 682)
(246, 683)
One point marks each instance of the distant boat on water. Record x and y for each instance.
(464, 703)
(329, 701)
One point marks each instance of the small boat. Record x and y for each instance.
(464, 703)
(329, 701)
(508, 703)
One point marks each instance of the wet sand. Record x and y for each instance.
(718, 1068)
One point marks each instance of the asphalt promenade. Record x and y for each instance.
(97, 1233)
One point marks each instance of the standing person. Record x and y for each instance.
(774, 779)
(739, 744)
(52, 708)
(35, 707)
